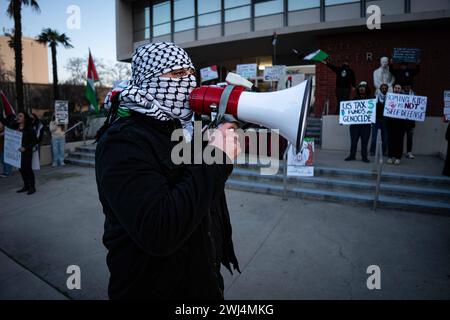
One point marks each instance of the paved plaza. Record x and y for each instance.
(293, 249)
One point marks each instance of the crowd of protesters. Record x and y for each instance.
(387, 78)
(32, 130)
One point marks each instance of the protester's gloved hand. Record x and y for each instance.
(227, 140)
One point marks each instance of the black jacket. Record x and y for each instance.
(29, 139)
(345, 77)
(167, 227)
(404, 77)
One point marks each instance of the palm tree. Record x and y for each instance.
(15, 11)
(53, 38)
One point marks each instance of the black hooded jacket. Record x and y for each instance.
(167, 227)
(345, 77)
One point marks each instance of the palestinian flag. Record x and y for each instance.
(318, 56)
(92, 78)
(5, 107)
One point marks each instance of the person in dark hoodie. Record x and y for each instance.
(362, 131)
(23, 123)
(396, 133)
(167, 227)
(345, 81)
(404, 75)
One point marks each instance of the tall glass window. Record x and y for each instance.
(161, 18)
(209, 12)
(184, 12)
(237, 10)
(264, 7)
(141, 21)
(294, 5)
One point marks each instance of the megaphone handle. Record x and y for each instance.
(223, 105)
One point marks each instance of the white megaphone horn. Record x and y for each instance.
(285, 110)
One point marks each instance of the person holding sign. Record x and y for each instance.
(446, 171)
(29, 141)
(381, 121)
(6, 167)
(358, 131)
(396, 133)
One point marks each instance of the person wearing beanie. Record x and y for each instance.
(360, 131)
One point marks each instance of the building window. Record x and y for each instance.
(335, 2)
(294, 5)
(161, 18)
(264, 7)
(141, 21)
(237, 10)
(184, 11)
(209, 12)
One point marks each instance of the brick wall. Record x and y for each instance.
(364, 50)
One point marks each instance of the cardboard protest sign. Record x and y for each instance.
(13, 142)
(62, 112)
(247, 71)
(358, 112)
(209, 73)
(401, 106)
(274, 73)
(406, 55)
(301, 164)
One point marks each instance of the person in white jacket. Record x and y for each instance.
(383, 75)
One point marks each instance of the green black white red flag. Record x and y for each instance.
(92, 78)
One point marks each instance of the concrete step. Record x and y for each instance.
(339, 184)
(436, 182)
(86, 149)
(80, 162)
(387, 202)
(82, 155)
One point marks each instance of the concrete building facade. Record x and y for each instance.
(231, 32)
(35, 60)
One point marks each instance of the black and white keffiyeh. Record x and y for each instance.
(153, 95)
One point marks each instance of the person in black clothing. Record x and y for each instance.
(29, 141)
(345, 81)
(381, 122)
(446, 171)
(167, 227)
(358, 131)
(404, 75)
(396, 133)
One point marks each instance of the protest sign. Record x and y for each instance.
(62, 112)
(406, 55)
(274, 73)
(401, 106)
(209, 73)
(358, 112)
(301, 164)
(13, 142)
(247, 71)
(447, 104)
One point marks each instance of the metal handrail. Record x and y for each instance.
(84, 128)
(379, 169)
(72, 128)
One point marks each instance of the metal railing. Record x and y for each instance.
(83, 128)
(379, 162)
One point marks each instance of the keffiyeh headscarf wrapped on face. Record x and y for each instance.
(151, 94)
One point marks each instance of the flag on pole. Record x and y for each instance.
(318, 56)
(6, 107)
(92, 78)
(274, 39)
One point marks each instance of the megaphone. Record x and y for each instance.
(285, 110)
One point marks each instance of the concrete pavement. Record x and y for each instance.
(292, 249)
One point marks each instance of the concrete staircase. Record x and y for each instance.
(430, 194)
(83, 156)
(314, 130)
(398, 191)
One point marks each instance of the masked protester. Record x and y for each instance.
(167, 227)
(380, 125)
(396, 133)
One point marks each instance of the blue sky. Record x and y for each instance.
(97, 28)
